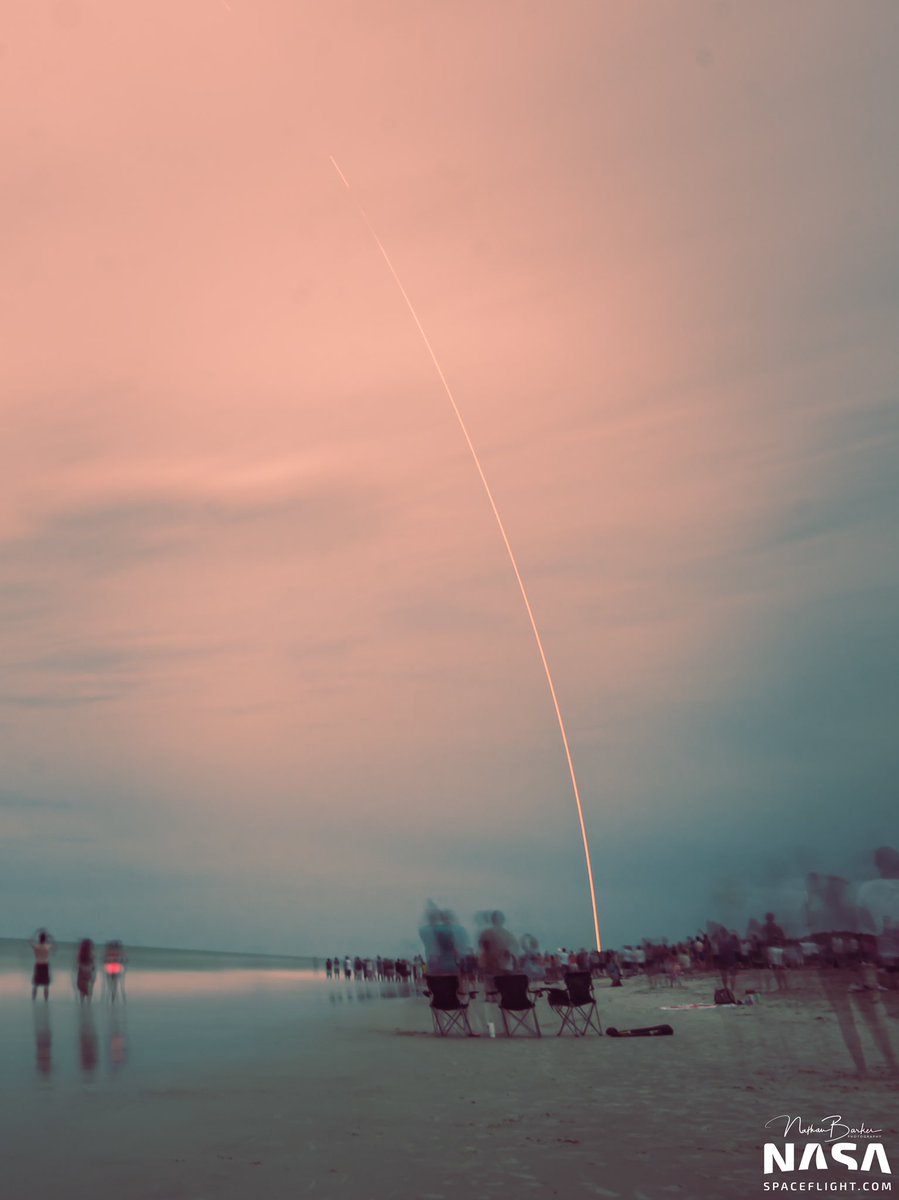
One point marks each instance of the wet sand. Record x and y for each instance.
(284, 1086)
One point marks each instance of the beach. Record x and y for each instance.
(238, 1083)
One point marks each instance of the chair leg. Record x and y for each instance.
(567, 1021)
(448, 1020)
(587, 1013)
(513, 1021)
(523, 1022)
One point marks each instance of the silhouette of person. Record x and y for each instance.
(878, 899)
(43, 947)
(498, 947)
(114, 960)
(85, 970)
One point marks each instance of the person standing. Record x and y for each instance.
(498, 947)
(114, 960)
(85, 970)
(43, 947)
(727, 959)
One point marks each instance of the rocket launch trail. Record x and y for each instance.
(503, 535)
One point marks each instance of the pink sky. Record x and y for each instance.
(264, 661)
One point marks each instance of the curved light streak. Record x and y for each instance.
(503, 535)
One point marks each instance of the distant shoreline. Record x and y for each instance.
(14, 952)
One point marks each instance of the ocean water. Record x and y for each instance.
(16, 955)
(183, 1012)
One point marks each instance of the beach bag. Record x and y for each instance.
(724, 996)
(647, 1031)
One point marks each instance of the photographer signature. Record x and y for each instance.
(833, 1126)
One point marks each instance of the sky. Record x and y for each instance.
(266, 678)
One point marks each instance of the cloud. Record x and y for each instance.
(116, 532)
(20, 801)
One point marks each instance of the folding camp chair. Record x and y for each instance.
(517, 1004)
(448, 1010)
(576, 1004)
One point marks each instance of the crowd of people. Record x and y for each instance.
(84, 970)
(377, 970)
(836, 924)
(716, 950)
(497, 951)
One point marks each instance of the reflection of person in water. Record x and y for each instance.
(43, 947)
(43, 1040)
(118, 1044)
(87, 1041)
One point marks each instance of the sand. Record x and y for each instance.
(285, 1090)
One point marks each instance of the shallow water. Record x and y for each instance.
(172, 1022)
(16, 955)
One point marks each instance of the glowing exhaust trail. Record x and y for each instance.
(503, 534)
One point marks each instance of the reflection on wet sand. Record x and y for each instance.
(118, 1043)
(378, 991)
(183, 1018)
(88, 1043)
(43, 1040)
(174, 984)
(88, 1040)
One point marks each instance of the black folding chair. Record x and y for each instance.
(517, 1004)
(448, 1009)
(576, 1004)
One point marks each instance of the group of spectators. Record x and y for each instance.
(838, 924)
(84, 968)
(377, 970)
